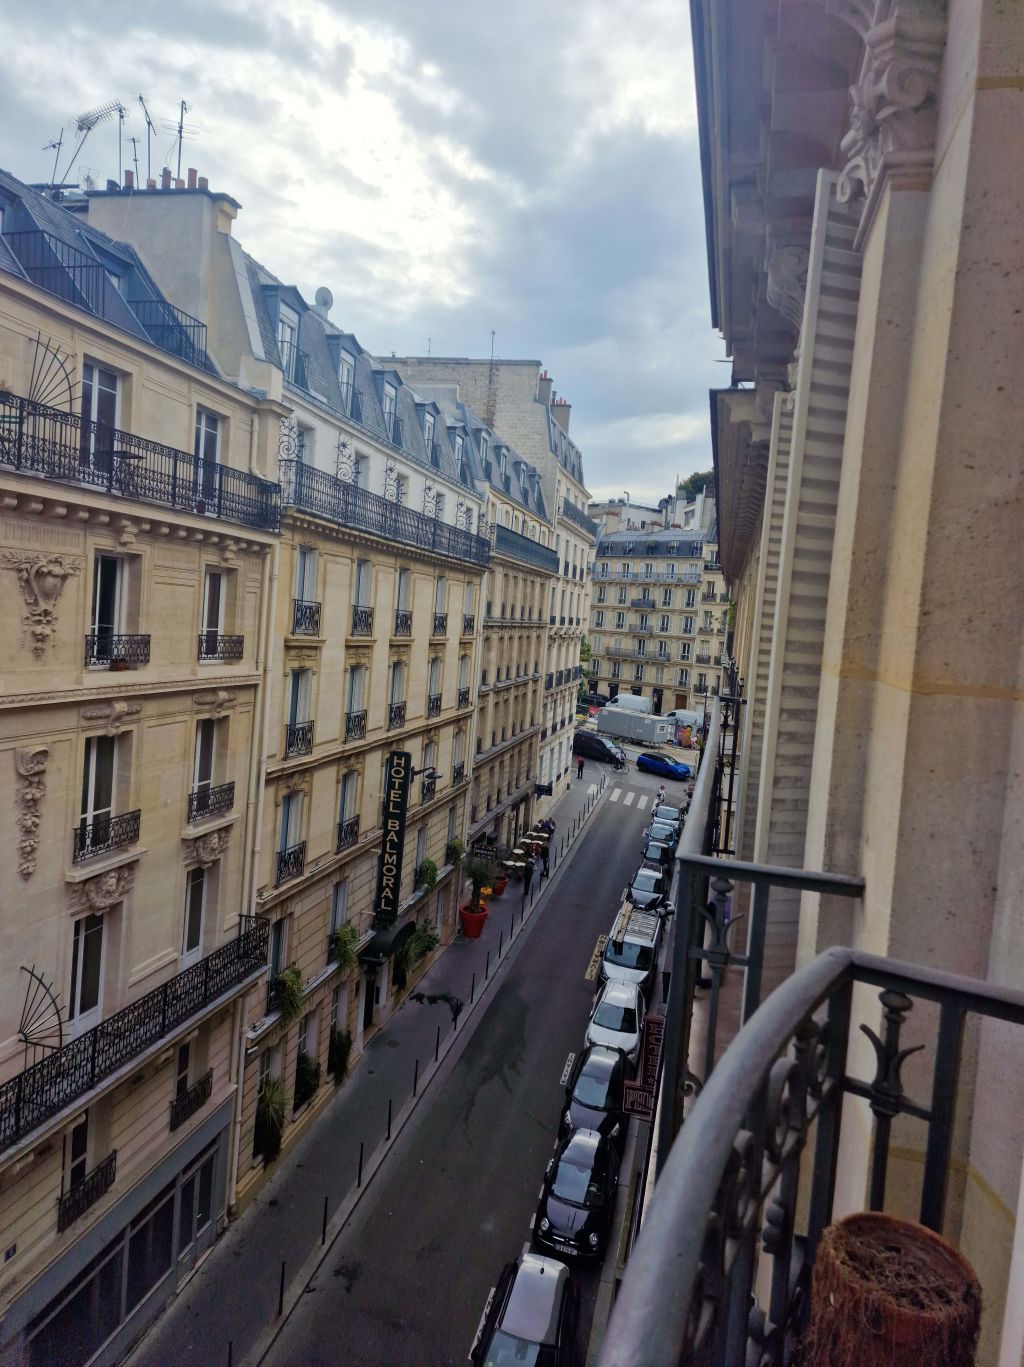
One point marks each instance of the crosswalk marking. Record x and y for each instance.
(641, 802)
(616, 794)
(628, 798)
(592, 790)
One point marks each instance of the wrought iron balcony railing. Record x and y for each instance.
(395, 428)
(173, 330)
(355, 725)
(106, 833)
(352, 401)
(120, 652)
(74, 1203)
(207, 801)
(324, 495)
(396, 715)
(440, 624)
(525, 549)
(468, 624)
(298, 739)
(463, 697)
(348, 832)
(429, 787)
(458, 772)
(305, 618)
(580, 518)
(213, 645)
(434, 705)
(45, 1089)
(192, 1100)
(362, 621)
(291, 862)
(403, 622)
(38, 440)
(549, 682)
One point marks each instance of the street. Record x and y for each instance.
(408, 1277)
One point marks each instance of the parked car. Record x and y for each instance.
(661, 765)
(592, 746)
(617, 1020)
(578, 1196)
(631, 952)
(672, 815)
(593, 1095)
(595, 699)
(663, 831)
(660, 854)
(530, 1316)
(649, 889)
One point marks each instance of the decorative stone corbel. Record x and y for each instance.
(103, 891)
(216, 702)
(207, 849)
(116, 714)
(30, 765)
(42, 579)
(786, 284)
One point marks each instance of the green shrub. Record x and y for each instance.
(307, 1079)
(454, 851)
(270, 1108)
(339, 1046)
(343, 946)
(289, 993)
(426, 874)
(422, 941)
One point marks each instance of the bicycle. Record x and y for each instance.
(622, 766)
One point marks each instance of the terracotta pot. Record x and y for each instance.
(472, 921)
(500, 884)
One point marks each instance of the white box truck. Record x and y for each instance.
(639, 727)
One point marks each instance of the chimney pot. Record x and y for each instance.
(179, 184)
(165, 178)
(192, 177)
(112, 185)
(204, 183)
(129, 180)
(150, 184)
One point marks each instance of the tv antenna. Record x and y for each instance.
(181, 130)
(85, 123)
(122, 114)
(54, 145)
(150, 130)
(135, 157)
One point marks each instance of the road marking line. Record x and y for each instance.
(628, 798)
(616, 794)
(595, 961)
(641, 802)
(592, 790)
(567, 1069)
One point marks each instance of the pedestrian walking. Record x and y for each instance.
(528, 877)
(660, 799)
(546, 857)
(579, 767)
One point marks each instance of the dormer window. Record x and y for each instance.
(458, 448)
(346, 378)
(287, 339)
(428, 433)
(483, 446)
(390, 409)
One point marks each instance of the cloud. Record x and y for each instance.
(446, 169)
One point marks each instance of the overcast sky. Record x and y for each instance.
(446, 167)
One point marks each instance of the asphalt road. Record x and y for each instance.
(406, 1281)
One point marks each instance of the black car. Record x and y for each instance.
(662, 831)
(530, 1317)
(649, 889)
(594, 700)
(659, 853)
(578, 1196)
(592, 746)
(593, 1097)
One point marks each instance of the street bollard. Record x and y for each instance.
(500, 936)
(280, 1294)
(437, 1044)
(323, 1232)
(388, 1135)
(359, 1179)
(487, 966)
(231, 1350)
(472, 990)
(415, 1077)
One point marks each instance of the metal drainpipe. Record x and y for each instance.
(236, 1141)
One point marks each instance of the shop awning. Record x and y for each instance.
(385, 943)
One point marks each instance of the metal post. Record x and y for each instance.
(487, 968)
(359, 1179)
(437, 1044)
(231, 1350)
(472, 990)
(501, 935)
(280, 1294)
(388, 1135)
(415, 1077)
(323, 1232)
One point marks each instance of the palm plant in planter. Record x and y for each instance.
(339, 1046)
(481, 873)
(426, 875)
(270, 1108)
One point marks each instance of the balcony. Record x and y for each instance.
(355, 725)
(348, 833)
(549, 681)
(207, 801)
(87, 1192)
(290, 862)
(463, 697)
(468, 624)
(429, 788)
(643, 602)
(580, 518)
(713, 566)
(337, 500)
(403, 622)
(106, 833)
(58, 1080)
(709, 596)
(60, 446)
(703, 659)
(440, 624)
(396, 715)
(213, 645)
(298, 739)
(362, 621)
(118, 652)
(192, 1100)
(305, 618)
(352, 401)
(434, 705)
(524, 549)
(458, 772)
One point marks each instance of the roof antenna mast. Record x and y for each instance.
(56, 144)
(84, 125)
(150, 130)
(122, 114)
(135, 157)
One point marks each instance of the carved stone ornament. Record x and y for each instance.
(107, 889)
(116, 714)
(216, 701)
(893, 105)
(207, 849)
(30, 791)
(42, 578)
(786, 284)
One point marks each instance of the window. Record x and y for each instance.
(195, 903)
(76, 1153)
(684, 678)
(645, 622)
(687, 626)
(620, 621)
(598, 619)
(287, 339)
(307, 1034)
(278, 933)
(638, 673)
(622, 593)
(347, 794)
(390, 409)
(337, 1021)
(346, 378)
(684, 650)
(665, 622)
(339, 904)
(483, 448)
(428, 431)
(649, 570)
(666, 598)
(702, 683)
(86, 974)
(453, 811)
(305, 574)
(213, 610)
(404, 590)
(99, 416)
(356, 688)
(434, 685)
(602, 593)
(691, 598)
(616, 669)
(300, 688)
(291, 821)
(397, 692)
(707, 622)
(641, 646)
(361, 585)
(402, 489)
(207, 454)
(463, 671)
(439, 507)
(459, 446)
(440, 593)
(421, 846)
(360, 466)
(98, 772)
(108, 594)
(181, 1069)
(467, 599)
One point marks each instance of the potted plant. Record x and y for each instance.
(342, 949)
(481, 873)
(289, 993)
(339, 1046)
(307, 1080)
(426, 875)
(417, 947)
(501, 882)
(118, 664)
(270, 1107)
(454, 851)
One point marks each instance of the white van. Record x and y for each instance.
(682, 717)
(632, 702)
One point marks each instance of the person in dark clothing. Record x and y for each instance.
(546, 857)
(528, 877)
(579, 767)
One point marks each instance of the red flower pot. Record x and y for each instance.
(500, 884)
(472, 921)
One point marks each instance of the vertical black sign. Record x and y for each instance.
(397, 775)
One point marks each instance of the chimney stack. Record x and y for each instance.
(544, 388)
(192, 177)
(150, 184)
(560, 410)
(179, 184)
(129, 180)
(112, 185)
(165, 178)
(204, 183)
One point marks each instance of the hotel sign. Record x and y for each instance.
(397, 776)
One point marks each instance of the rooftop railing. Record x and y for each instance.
(524, 548)
(579, 517)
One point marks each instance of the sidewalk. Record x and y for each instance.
(230, 1305)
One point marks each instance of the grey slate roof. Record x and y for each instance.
(668, 542)
(521, 488)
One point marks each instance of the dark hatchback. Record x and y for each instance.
(592, 746)
(593, 1098)
(649, 889)
(578, 1197)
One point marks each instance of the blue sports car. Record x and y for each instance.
(662, 766)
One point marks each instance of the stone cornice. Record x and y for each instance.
(104, 692)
